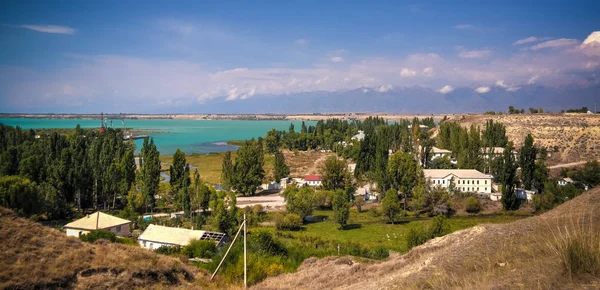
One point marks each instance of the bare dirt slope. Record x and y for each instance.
(517, 255)
(36, 257)
(576, 136)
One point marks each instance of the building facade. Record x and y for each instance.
(466, 180)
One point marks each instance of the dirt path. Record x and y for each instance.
(566, 165)
(314, 168)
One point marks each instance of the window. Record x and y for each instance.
(150, 245)
(477, 181)
(444, 181)
(144, 244)
(485, 189)
(118, 229)
(486, 182)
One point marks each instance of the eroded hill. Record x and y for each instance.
(36, 257)
(570, 137)
(517, 255)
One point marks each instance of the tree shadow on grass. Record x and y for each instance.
(352, 227)
(315, 219)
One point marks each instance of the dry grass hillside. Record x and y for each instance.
(576, 136)
(36, 257)
(518, 255)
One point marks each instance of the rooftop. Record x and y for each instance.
(312, 178)
(97, 220)
(493, 150)
(177, 236)
(460, 173)
(440, 151)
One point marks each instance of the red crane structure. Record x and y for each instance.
(102, 129)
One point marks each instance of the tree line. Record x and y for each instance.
(83, 169)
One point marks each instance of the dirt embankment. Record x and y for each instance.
(517, 255)
(569, 137)
(36, 257)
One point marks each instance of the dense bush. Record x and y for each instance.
(127, 241)
(438, 227)
(472, 205)
(199, 249)
(98, 235)
(290, 222)
(168, 250)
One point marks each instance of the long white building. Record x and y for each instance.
(156, 236)
(466, 180)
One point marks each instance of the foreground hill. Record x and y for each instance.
(36, 257)
(575, 136)
(517, 255)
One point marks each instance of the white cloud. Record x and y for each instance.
(337, 59)
(407, 73)
(475, 53)
(446, 89)
(510, 88)
(526, 40)
(50, 28)
(384, 88)
(301, 41)
(482, 90)
(555, 43)
(533, 79)
(365, 90)
(465, 26)
(591, 45)
(428, 71)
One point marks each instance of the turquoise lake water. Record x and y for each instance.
(191, 136)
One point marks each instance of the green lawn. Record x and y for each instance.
(210, 165)
(371, 231)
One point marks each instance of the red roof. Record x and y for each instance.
(312, 178)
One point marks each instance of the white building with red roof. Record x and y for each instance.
(313, 180)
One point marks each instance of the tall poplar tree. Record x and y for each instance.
(527, 156)
(150, 172)
(281, 169)
(509, 169)
(227, 171)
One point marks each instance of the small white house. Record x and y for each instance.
(313, 180)
(438, 152)
(156, 236)
(565, 181)
(360, 136)
(496, 196)
(98, 221)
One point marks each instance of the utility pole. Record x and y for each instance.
(245, 265)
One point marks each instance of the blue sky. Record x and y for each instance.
(82, 56)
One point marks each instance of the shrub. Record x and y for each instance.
(168, 250)
(472, 205)
(258, 209)
(380, 252)
(291, 222)
(417, 236)
(374, 212)
(199, 249)
(95, 235)
(578, 250)
(127, 241)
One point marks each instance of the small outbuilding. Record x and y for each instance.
(98, 221)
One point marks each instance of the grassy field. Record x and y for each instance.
(210, 165)
(369, 230)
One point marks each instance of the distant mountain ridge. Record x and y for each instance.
(402, 100)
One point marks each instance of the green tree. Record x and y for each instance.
(20, 194)
(300, 201)
(390, 206)
(177, 171)
(335, 174)
(248, 168)
(359, 202)
(527, 156)
(227, 171)
(509, 168)
(281, 169)
(273, 141)
(440, 163)
(150, 172)
(341, 208)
